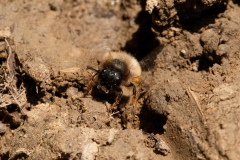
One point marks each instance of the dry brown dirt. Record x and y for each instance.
(190, 55)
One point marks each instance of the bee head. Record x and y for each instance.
(113, 73)
(110, 77)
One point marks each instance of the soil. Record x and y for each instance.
(190, 56)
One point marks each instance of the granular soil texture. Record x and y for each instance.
(189, 52)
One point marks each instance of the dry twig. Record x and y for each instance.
(199, 110)
(10, 72)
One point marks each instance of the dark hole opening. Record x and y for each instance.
(204, 63)
(151, 122)
(33, 91)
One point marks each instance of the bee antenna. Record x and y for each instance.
(91, 68)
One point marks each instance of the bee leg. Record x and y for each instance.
(134, 99)
(118, 98)
(91, 68)
(90, 84)
(135, 96)
(143, 90)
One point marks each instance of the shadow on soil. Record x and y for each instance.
(143, 40)
(206, 17)
(8, 116)
(33, 91)
(236, 2)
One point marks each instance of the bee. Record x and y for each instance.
(116, 69)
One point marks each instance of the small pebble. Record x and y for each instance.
(2, 128)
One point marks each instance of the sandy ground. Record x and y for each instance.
(189, 52)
